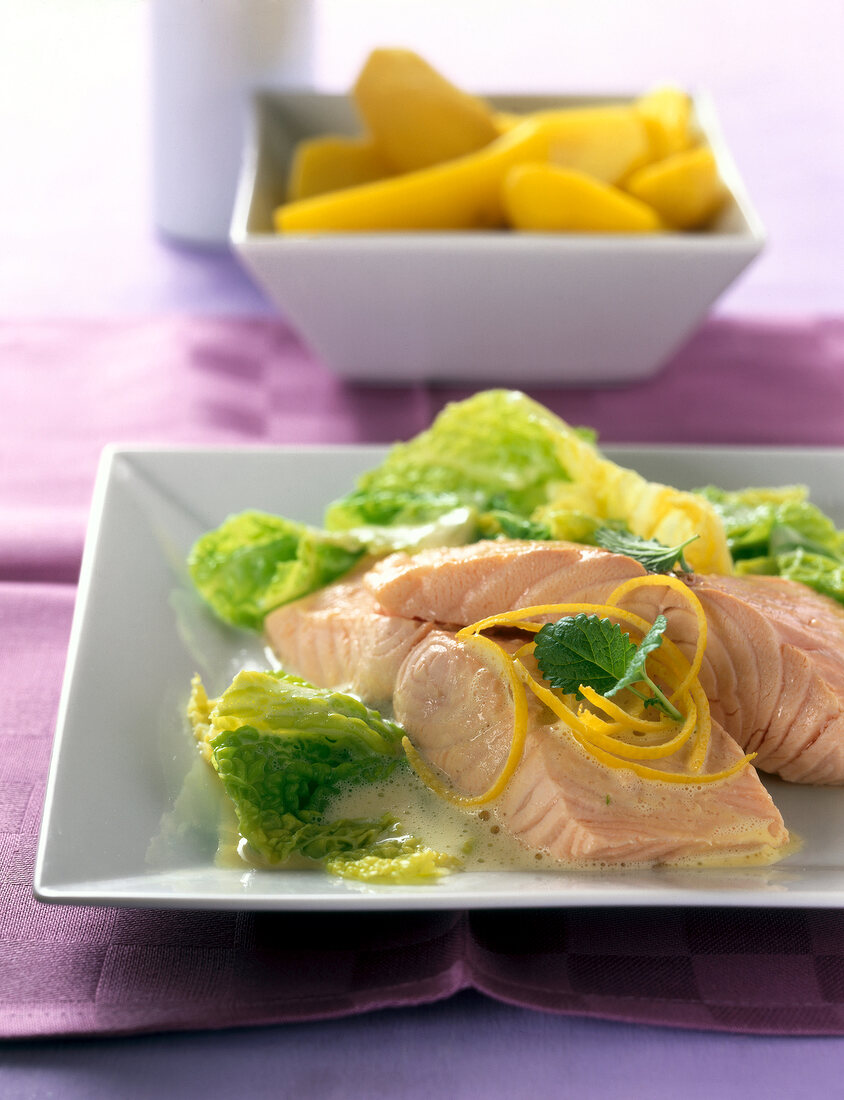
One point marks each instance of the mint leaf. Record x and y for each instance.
(635, 671)
(594, 652)
(655, 557)
(583, 649)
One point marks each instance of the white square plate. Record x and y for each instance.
(132, 813)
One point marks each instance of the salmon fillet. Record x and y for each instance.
(464, 584)
(560, 800)
(354, 633)
(774, 663)
(380, 633)
(774, 671)
(339, 638)
(773, 668)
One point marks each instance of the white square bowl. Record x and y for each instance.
(481, 307)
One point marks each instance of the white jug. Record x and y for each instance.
(207, 56)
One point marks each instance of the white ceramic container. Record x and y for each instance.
(481, 307)
(206, 59)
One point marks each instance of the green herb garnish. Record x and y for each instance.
(586, 650)
(655, 557)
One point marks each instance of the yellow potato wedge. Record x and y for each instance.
(544, 198)
(684, 189)
(604, 142)
(461, 194)
(506, 120)
(667, 114)
(464, 193)
(416, 116)
(332, 163)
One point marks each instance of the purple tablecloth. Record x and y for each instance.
(69, 387)
(77, 242)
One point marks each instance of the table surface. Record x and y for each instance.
(78, 241)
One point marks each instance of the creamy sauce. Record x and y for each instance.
(473, 837)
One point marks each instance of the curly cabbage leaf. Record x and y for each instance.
(254, 562)
(759, 522)
(393, 507)
(400, 859)
(495, 449)
(284, 750)
(497, 464)
(613, 495)
(781, 533)
(824, 574)
(499, 522)
(455, 527)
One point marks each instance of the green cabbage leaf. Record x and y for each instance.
(495, 451)
(781, 533)
(478, 472)
(284, 750)
(255, 561)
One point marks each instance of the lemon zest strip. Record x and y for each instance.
(623, 720)
(646, 752)
(590, 736)
(667, 656)
(667, 777)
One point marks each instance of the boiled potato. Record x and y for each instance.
(416, 117)
(433, 157)
(545, 198)
(461, 194)
(685, 189)
(667, 115)
(604, 142)
(333, 163)
(465, 193)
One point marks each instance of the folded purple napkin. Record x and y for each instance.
(68, 388)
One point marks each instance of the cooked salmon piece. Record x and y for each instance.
(561, 801)
(774, 663)
(458, 711)
(354, 633)
(464, 584)
(339, 638)
(773, 670)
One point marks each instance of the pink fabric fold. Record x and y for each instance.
(69, 388)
